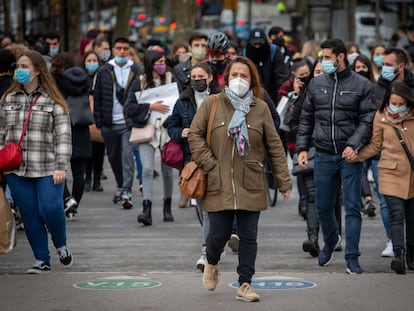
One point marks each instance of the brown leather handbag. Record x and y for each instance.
(193, 179)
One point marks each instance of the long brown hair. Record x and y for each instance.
(255, 80)
(45, 79)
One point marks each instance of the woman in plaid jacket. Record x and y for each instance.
(37, 184)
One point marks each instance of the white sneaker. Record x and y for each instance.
(201, 262)
(388, 251)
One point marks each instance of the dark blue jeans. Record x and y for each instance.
(220, 232)
(330, 171)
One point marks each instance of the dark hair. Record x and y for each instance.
(399, 54)
(150, 57)
(42, 47)
(296, 64)
(61, 62)
(401, 89)
(367, 62)
(86, 55)
(7, 61)
(210, 71)
(51, 35)
(121, 40)
(179, 46)
(197, 36)
(255, 78)
(337, 47)
(99, 41)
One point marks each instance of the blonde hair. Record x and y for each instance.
(310, 48)
(17, 48)
(45, 78)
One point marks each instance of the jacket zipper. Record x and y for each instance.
(232, 178)
(333, 114)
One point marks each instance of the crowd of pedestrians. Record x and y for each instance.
(348, 117)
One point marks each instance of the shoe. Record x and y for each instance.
(201, 262)
(39, 267)
(183, 202)
(326, 254)
(339, 247)
(87, 187)
(103, 176)
(145, 217)
(246, 293)
(233, 243)
(410, 257)
(116, 199)
(370, 208)
(70, 204)
(126, 199)
(65, 257)
(193, 202)
(398, 262)
(97, 187)
(311, 247)
(210, 276)
(388, 251)
(166, 211)
(353, 267)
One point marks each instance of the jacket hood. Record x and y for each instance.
(129, 63)
(73, 81)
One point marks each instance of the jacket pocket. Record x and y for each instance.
(12, 115)
(41, 116)
(213, 179)
(253, 175)
(387, 164)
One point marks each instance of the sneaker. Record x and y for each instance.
(233, 243)
(246, 293)
(388, 250)
(70, 204)
(65, 257)
(201, 262)
(210, 276)
(193, 202)
(116, 199)
(353, 267)
(370, 208)
(326, 254)
(126, 199)
(39, 267)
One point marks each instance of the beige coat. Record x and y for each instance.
(396, 177)
(235, 182)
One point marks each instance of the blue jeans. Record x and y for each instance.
(41, 206)
(220, 231)
(138, 163)
(330, 170)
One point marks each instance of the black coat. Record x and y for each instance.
(75, 82)
(337, 112)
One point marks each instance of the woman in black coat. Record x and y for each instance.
(74, 85)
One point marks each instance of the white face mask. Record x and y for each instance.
(239, 86)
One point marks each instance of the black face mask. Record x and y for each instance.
(365, 74)
(279, 42)
(304, 79)
(200, 85)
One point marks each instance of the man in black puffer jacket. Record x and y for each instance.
(337, 119)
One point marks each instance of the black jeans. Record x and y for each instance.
(401, 210)
(220, 231)
(95, 164)
(78, 167)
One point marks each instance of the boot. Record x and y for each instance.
(311, 245)
(168, 217)
(145, 217)
(410, 257)
(398, 262)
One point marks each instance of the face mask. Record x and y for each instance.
(121, 60)
(395, 109)
(365, 74)
(388, 73)
(328, 66)
(22, 76)
(378, 60)
(351, 57)
(53, 51)
(160, 68)
(199, 54)
(304, 79)
(92, 67)
(105, 55)
(199, 85)
(279, 42)
(239, 86)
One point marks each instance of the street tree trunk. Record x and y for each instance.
(185, 19)
(123, 15)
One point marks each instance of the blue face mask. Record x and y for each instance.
(22, 76)
(378, 60)
(388, 73)
(53, 51)
(328, 66)
(395, 109)
(121, 60)
(92, 67)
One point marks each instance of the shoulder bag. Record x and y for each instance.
(403, 144)
(11, 154)
(7, 226)
(192, 180)
(297, 170)
(142, 134)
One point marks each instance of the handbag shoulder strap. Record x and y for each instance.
(26, 121)
(407, 152)
(211, 119)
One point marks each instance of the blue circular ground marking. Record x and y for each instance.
(277, 284)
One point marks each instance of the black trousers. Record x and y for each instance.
(220, 231)
(95, 164)
(78, 167)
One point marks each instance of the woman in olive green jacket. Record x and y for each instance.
(242, 135)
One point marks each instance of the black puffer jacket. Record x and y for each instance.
(383, 86)
(104, 94)
(337, 112)
(75, 82)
